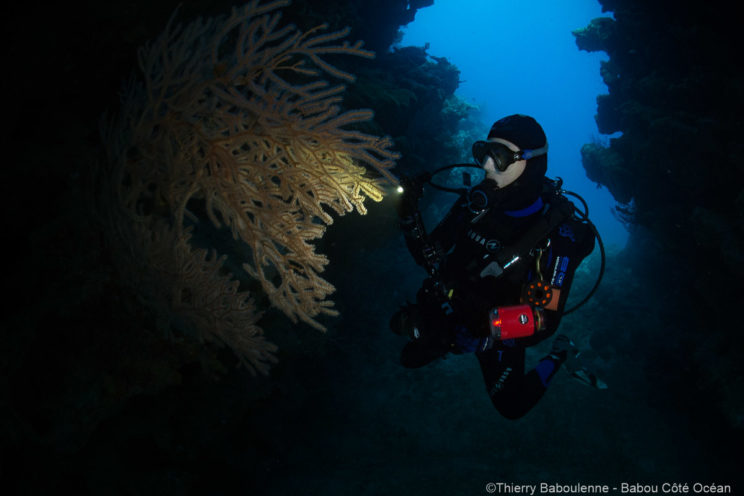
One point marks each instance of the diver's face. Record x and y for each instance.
(511, 174)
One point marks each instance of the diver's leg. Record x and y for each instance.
(503, 373)
(546, 369)
(513, 392)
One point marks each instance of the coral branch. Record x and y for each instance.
(232, 112)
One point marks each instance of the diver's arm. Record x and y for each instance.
(415, 235)
(569, 251)
(448, 230)
(410, 220)
(426, 248)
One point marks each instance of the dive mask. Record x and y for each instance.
(502, 156)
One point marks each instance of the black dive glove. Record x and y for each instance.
(413, 189)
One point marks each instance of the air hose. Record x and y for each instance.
(584, 217)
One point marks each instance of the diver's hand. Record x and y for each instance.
(413, 189)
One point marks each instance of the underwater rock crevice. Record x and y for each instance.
(675, 94)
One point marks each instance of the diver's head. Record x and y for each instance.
(515, 143)
(500, 159)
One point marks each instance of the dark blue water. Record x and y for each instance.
(520, 57)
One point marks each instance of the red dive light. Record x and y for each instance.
(516, 321)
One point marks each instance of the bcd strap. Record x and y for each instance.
(559, 210)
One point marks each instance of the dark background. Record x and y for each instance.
(95, 401)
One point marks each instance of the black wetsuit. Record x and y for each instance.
(463, 295)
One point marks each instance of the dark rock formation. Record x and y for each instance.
(676, 95)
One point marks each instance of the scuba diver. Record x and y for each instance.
(500, 264)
